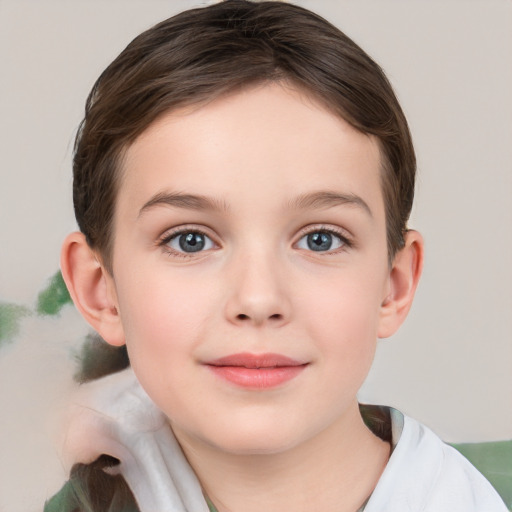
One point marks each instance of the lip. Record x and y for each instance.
(257, 371)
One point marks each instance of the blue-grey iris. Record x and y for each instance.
(192, 242)
(319, 241)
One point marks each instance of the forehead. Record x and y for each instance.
(265, 141)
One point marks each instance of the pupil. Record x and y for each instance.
(192, 242)
(319, 241)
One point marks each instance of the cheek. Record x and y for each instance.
(343, 320)
(162, 328)
(164, 320)
(161, 304)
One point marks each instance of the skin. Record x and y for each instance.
(256, 287)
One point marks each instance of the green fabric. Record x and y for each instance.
(68, 500)
(494, 461)
(90, 489)
(65, 500)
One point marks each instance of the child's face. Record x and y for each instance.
(253, 225)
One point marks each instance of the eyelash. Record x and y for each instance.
(347, 242)
(164, 240)
(184, 230)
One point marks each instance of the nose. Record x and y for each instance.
(258, 294)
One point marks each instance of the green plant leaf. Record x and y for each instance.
(51, 300)
(10, 316)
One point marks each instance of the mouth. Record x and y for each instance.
(256, 371)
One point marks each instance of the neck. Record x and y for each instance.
(335, 471)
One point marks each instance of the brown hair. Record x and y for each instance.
(202, 53)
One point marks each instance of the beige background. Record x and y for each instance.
(451, 64)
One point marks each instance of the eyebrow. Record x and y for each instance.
(312, 200)
(181, 200)
(328, 199)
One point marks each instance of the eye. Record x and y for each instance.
(322, 241)
(189, 241)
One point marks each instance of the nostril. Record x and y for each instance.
(243, 316)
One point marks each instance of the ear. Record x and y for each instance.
(403, 280)
(92, 288)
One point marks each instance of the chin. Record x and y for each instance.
(256, 438)
(247, 446)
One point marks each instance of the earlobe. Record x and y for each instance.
(91, 288)
(403, 280)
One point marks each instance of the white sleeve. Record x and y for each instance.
(426, 475)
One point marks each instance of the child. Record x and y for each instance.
(242, 181)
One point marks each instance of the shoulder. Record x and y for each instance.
(426, 474)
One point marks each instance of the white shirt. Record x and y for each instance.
(114, 416)
(424, 474)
